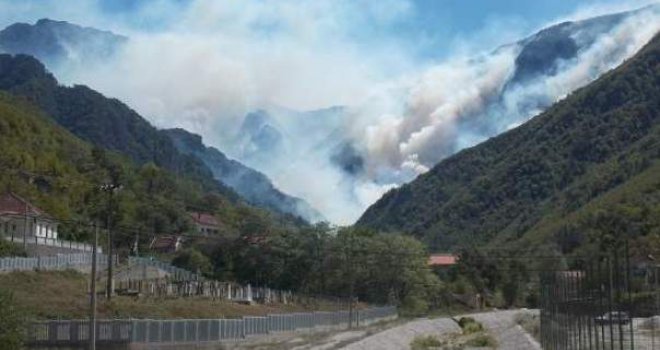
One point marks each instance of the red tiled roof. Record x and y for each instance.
(442, 260)
(12, 204)
(164, 242)
(204, 219)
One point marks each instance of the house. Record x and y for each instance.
(166, 243)
(205, 224)
(442, 260)
(18, 217)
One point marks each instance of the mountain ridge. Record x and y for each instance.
(250, 184)
(510, 184)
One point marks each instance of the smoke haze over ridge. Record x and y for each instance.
(204, 66)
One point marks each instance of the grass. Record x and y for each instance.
(482, 340)
(63, 294)
(425, 342)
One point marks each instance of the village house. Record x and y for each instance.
(205, 224)
(19, 218)
(166, 244)
(442, 260)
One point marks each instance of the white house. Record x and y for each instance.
(18, 218)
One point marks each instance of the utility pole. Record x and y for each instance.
(25, 226)
(92, 313)
(351, 288)
(109, 189)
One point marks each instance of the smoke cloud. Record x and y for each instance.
(204, 65)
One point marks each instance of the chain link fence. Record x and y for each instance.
(181, 331)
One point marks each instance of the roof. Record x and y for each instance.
(12, 204)
(164, 242)
(442, 260)
(204, 219)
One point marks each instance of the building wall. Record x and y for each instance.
(14, 226)
(206, 229)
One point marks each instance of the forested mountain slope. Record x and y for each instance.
(595, 151)
(252, 185)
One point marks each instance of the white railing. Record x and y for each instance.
(51, 242)
(55, 262)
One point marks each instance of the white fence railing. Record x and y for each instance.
(181, 331)
(56, 262)
(51, 242)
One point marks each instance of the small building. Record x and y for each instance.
(18, 217)
(205, 224)
(442, 260)
(166, 243)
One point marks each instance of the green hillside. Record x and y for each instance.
(587, 166)
(61, 174)
(104, 122)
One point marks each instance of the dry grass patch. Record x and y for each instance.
(63, 294)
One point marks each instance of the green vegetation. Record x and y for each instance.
(61, 174)
(10, 249)
(469, 325)
(11, 324)
(482, 341)
(63, 294)
(473, 335)
(425, 342)
(318, 261)
(567, 182)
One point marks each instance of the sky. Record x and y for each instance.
(410, 74)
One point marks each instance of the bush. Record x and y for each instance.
(469, 325)
(193, 260)
(414, 306)
(10, 249)
(482, 341)
(426, 342)
(11, 325)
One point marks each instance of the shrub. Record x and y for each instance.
(10, 249)
(425, 342)
(469, 325)
(11, 325)
(482, 341)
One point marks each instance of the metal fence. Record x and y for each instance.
(76, 332)
(56, 262)
(602, 303)
(176, 273)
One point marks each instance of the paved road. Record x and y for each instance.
(501, 324)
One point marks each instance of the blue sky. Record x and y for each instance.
(430, 28)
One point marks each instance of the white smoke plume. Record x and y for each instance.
(206, 64)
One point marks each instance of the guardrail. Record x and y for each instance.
(56, 262)
(76, 332)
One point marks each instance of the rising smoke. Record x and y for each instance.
(206, 65)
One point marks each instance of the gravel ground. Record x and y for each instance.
(400, 337)
(501, 324)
